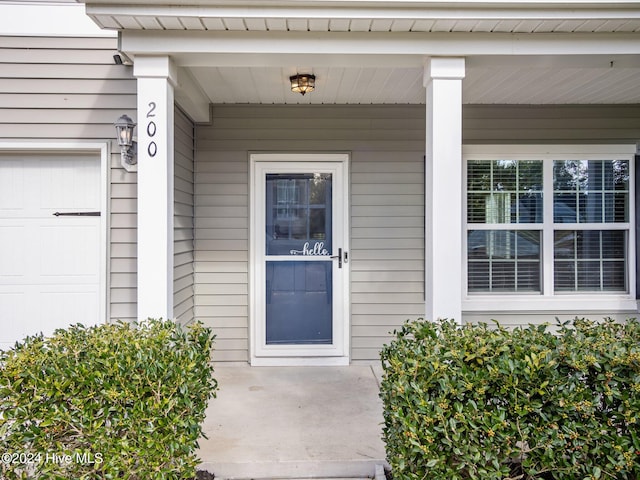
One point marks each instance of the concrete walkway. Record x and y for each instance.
(294, 422)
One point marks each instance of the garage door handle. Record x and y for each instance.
(77, 214)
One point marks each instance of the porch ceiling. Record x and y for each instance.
(532, 80)
(380, 79)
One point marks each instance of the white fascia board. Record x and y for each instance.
(266, 60)
(47, 19)
(391, 10)
(134, 42)
(379, 4)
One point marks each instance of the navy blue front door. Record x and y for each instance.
(298, 264)
(298, 252)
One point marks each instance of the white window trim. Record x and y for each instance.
(104, 151)
(548, 300)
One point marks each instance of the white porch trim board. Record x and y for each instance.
(188, 46)
(156, 81)
(443, 188)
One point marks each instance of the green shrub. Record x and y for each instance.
(112, 401)
(473, 402)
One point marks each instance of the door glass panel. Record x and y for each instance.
(299, 292)
(298, 214)
(299, 303)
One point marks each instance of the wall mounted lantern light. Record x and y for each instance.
(128, 146)
(303, 83)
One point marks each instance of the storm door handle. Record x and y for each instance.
(339, 257)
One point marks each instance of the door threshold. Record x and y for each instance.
(299, 361)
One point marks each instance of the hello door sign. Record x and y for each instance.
(315, 250)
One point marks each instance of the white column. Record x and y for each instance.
(443, 188)
(156, 80)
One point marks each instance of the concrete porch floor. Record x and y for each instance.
(294, 422)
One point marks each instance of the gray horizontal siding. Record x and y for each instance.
(50, 101)
(70, 89)
(183, 275)
(221, 248)
(387, 198)
(387, 245)
(243, 128)
(551, 124)
(387, 204)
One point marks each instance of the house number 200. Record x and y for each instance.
(152, 129)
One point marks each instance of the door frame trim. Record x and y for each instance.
(256, 354)
(103, 150)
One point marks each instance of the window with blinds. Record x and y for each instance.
(584, 207)
(593, 195)
(501, 193)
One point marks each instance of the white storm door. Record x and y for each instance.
(300, 256)
(50, 243)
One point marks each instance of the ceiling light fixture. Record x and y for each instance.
(303, 83)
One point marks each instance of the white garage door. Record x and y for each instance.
(49, 243)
